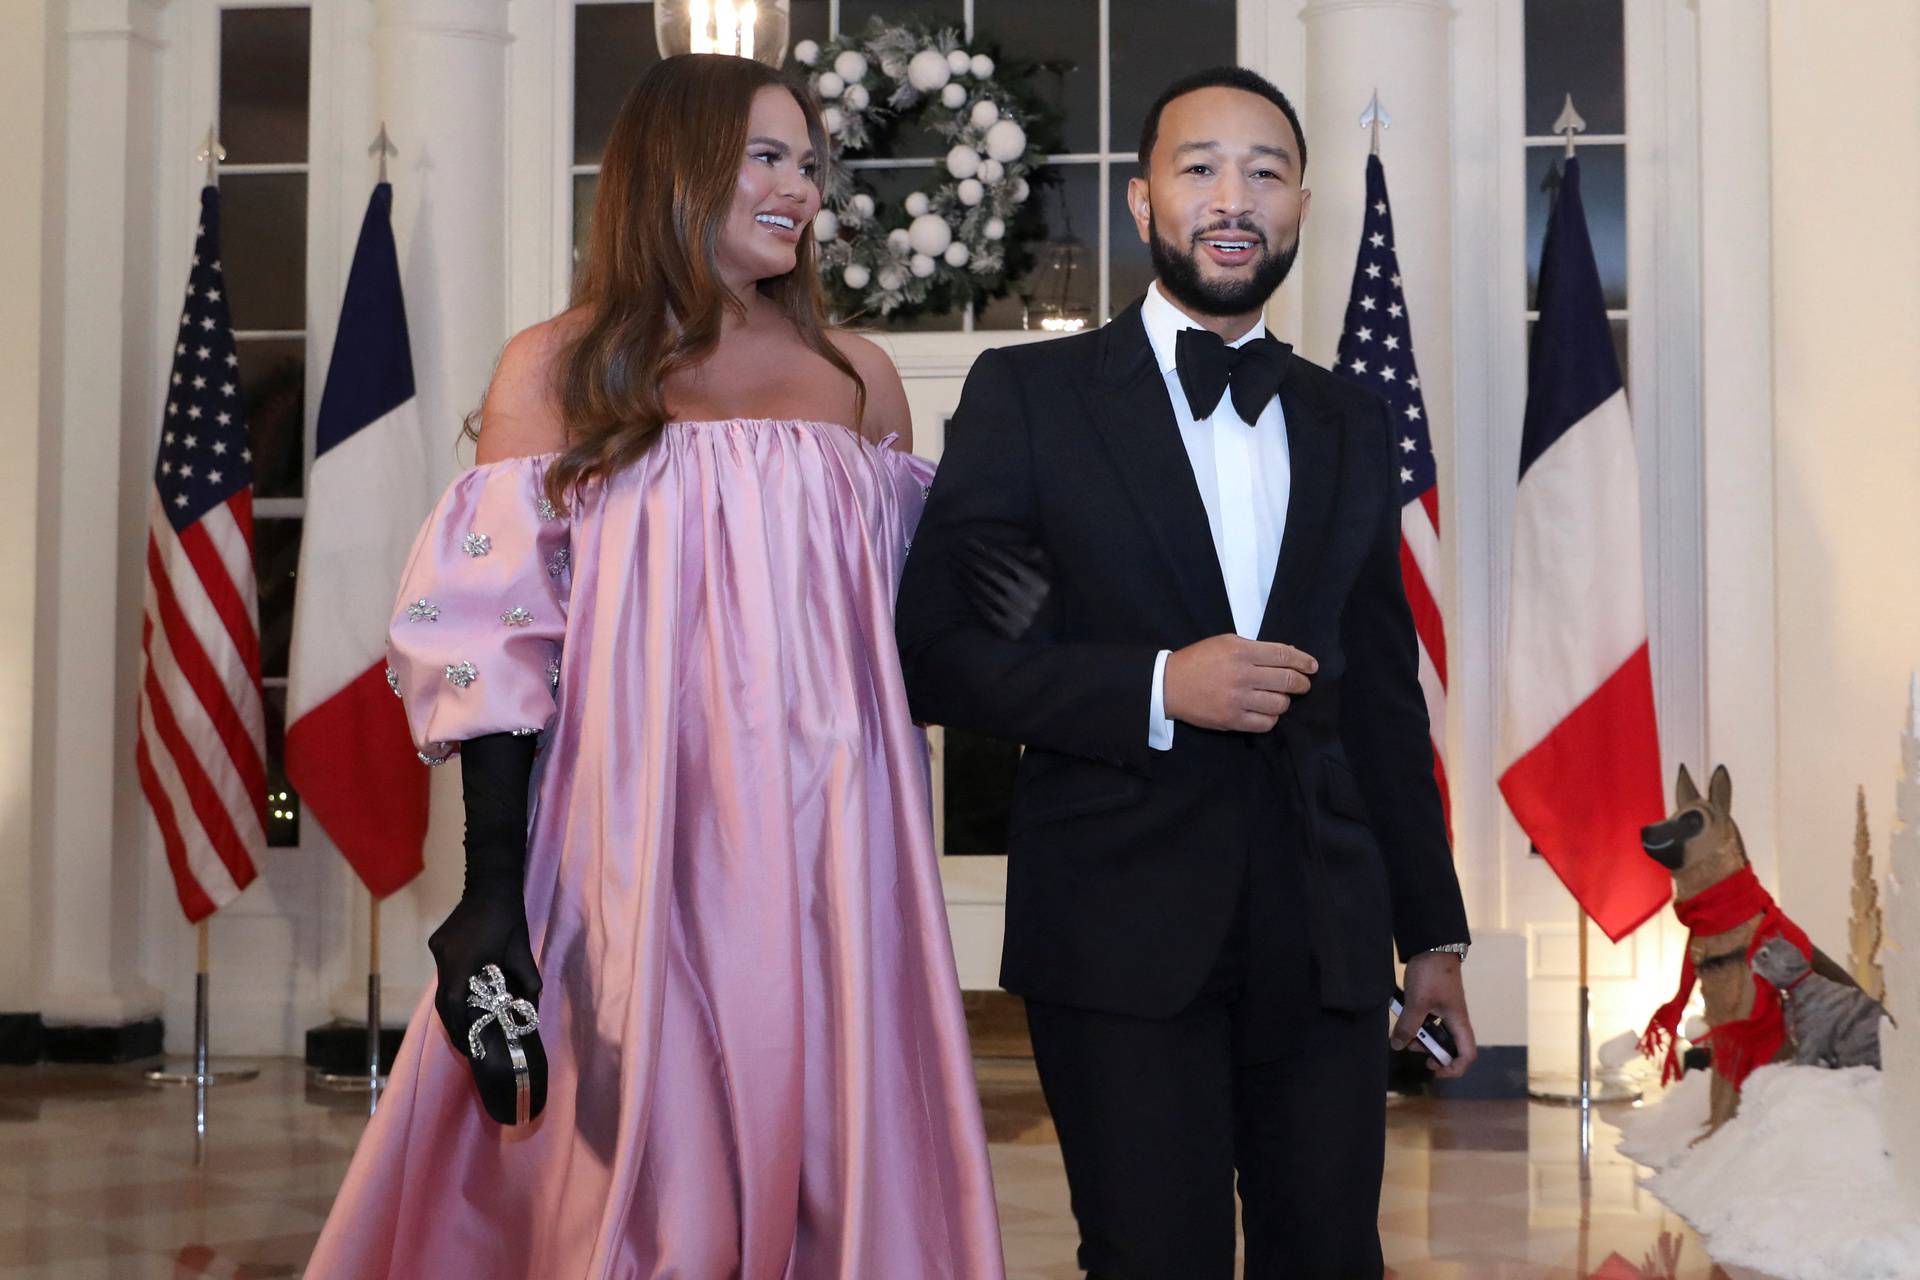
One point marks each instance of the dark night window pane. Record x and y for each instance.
(1059, 44)
(806, 20)
(276, 555)
(1153, 47)
(1603, 192)
(263, 249)
(939, 13)
(1576, 47)
(585, 186)
(263, 85)
(1130, 265)
(283, 806)
(612, 45)
(273, 384)
(1061, 240)
(978, 773)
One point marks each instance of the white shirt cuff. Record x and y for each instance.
(1159, 728)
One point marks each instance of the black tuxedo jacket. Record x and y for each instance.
(1126, 864)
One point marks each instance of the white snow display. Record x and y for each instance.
(1900, 962)
(1797, 1185)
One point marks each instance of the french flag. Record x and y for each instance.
(348, 750)
(1580, 746)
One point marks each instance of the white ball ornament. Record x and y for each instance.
(1006, 142)
(991, 171)
(956, 254)
(921, 265)
(981, 66)
(892, 278)
(833, 119)
(984, 113)
(929, 235)
(917, 204)
(829, 84)
(953, 97)
(826, 226)
(862, 204)
(1021, 190)
(928, 70)
(971, 192)
(899, 241)
(856, 97)
(851, 64)
(995, 228)
(856, 276)
(959, 62)
(963, 161)
(807, 52)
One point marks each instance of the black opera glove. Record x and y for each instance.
(488, 926)
(1007, 586)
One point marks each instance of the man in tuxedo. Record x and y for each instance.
(1226, 813)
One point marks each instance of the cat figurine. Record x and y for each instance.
(1830, 1023)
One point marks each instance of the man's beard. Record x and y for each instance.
(1179, 275)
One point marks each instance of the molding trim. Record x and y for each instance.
(23, 1039)
(1327, 8)
(119, 1042)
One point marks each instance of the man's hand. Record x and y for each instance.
(1433, 986)
(1228, 682)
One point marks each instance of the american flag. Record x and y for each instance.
(1376, 352)
(201, 751)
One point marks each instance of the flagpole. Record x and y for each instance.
(201, 1072)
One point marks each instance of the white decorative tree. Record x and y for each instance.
(1900, 1049)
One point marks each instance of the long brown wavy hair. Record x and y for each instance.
(648, 292)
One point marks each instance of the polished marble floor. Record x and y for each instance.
(98, 1178)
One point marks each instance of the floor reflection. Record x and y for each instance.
(97, 1178)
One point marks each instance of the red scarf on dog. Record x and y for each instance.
(1738, 1047)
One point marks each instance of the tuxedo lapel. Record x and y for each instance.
(1136, 421)
(1313, 448)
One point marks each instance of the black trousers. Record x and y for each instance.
(1156, 1116)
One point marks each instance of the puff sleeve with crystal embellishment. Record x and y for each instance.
(474, 645)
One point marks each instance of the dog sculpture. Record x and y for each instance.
(1830, 1024)
(1729, 916)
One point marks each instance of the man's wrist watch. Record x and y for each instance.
(1458, 949)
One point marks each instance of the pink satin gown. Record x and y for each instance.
(759, 1066)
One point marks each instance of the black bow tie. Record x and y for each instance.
(1208, 367)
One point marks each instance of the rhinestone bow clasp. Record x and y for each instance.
(489, 992)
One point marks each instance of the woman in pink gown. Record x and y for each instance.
(756, 1063)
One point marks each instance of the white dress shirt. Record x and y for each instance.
(1245, 477)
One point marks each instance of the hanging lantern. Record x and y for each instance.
(747, 28)
(1053, 304)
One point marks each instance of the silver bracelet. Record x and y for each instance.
(1451, 948)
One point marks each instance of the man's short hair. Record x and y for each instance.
(1212, 78)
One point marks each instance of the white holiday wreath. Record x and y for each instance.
(951, 240)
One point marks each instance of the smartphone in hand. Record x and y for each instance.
(1432, 1036)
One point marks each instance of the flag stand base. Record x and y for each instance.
(199, 1070)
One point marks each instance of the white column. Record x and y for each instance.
(90, 824)
(24, 66)
(441, 87)
(1736, 414)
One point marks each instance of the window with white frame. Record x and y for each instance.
(1096, 66)
(264, 78)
